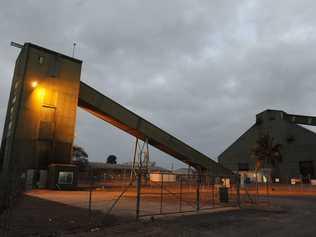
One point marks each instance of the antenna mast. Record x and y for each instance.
(73, 49)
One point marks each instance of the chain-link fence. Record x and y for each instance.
(106, 200)
(167, 193)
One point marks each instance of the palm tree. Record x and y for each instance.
(267, 155)
(111, 160)
(80, 158)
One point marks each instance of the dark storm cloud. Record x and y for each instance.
(199, 69)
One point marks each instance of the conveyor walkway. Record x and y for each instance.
(108, 110)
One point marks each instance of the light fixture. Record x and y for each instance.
(34, 84)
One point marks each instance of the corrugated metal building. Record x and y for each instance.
(298, 146)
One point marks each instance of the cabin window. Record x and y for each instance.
(65, 177)
(40, 59)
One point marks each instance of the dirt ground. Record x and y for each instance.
(102, 200)
(65, 214)
(289, 216)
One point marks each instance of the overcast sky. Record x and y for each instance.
(200, 70)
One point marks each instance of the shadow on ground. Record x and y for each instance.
(286, 216)
(32, 216)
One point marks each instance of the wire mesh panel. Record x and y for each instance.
(170, 193)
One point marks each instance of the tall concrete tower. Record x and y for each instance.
(41, 113)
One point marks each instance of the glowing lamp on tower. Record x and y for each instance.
(34, 84)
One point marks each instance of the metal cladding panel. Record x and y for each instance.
(300, 119)
(13, 111)
(112, 112)
(298, 143)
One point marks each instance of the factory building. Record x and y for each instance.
(298, 147)
(38, 134)
(40, 120)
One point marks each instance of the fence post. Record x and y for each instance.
(90, 191)
(138, 187)
(238, 189)
(161, 193)
(90, 198)
(180, 197)
(198, 192)
(267, 187)
(213, 191)
(257, 188)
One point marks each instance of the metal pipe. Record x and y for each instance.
(134, 160)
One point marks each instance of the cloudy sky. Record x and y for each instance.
(201, 70)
